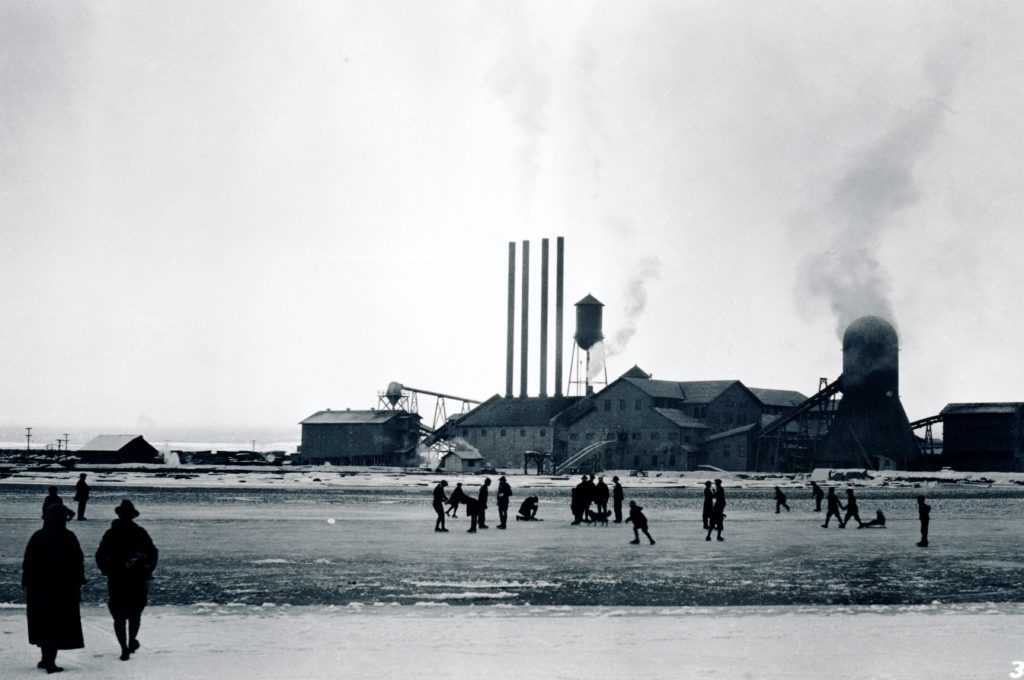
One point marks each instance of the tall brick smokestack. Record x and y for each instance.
(559, 276)
(525, 324)
(543, 318)
(511, 338)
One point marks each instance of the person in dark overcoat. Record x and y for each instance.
(601, 494)
(924, 513)
(52, 574)
(851, 510)
(504, 494)
(709, 502)
(460, 496)
(617, 497)
(716, 521)
(127, 557)
(528, 510)
(639, 521)
(818, 495)
(833, 507)
(81, 495)
(440, 498)
(481, 500)
(780, 500)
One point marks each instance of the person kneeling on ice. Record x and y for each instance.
(528, 510)
(878, 521)
(636, 516)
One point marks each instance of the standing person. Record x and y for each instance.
(617, 496)
(709, 503)
(453, 508)
(52, 497)
(579, 492)
(481, 500)
(636, 516)
(440, 498)
(924, 512)
(127, 557)
(780, 500)
(601, 495)
(818, 495)
(589, 495)
(851, 510)
(833, 507)
(504, 494)
(81, 495)
(52, 574)
(717, 519)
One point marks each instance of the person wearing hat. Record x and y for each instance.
(716, 521)
(127, 557)
(504, 493)
(53, 498)
(481, 500)
(53, 573)
(601, 494)
(81, 495)
(617, 496)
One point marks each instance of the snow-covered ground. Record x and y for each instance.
(308, 643)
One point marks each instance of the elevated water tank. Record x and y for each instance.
(588, 322)
(870, 358)
(394, 392)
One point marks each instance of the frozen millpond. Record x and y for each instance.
(256, 574)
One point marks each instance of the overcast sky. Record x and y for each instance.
(238, 213)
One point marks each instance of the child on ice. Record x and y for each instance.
(636, 516)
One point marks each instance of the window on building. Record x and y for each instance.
(655, 436)
(673, 436)
(502, 433)
(470, 463)
(622, 404)
(639, 404)
(636, 435)
(465, 433)
(688, 438)
(522, 433)
(726, 451)
(543, 433)
(607, 404)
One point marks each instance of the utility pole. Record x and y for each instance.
(28, 438)
(254, 446)
(65, 441)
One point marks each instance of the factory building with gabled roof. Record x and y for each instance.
(351, 437)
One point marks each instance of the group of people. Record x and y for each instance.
(53, 573)
(476, 508)
(589, 493)
(833, 508)
(713, 512)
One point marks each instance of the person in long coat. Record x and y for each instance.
(127, 557)
(601, 494)
(717, 520)
(709, 503)
(52, 497)
(440, 498)
(617, 497)
(81, 495)
(504, 494)
(481, 500)
(52, 574)
(851, 510)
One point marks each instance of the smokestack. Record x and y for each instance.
(525, 304)
(559, 261)
(511, 339)
(544, 317)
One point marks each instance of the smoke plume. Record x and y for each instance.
(872, 189)
(648, 270)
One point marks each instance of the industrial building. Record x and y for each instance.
(983, 436)
(373, 437)
(117, 448)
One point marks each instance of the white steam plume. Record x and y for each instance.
(647, 270)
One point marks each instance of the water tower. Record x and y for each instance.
(588, 338)
(870, 426)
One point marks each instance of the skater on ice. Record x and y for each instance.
(639, 521)
(481, 500)
(878, 521)
(780, 500)
(833, 508)
(924, 512)
(818, 495)
(81, 495)
(851, 510)
(440, 499)
(528, 510)
(717, 519)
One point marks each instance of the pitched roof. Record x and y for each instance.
(636, 372)
(656, 388)
(681, 419)
(995, 407)
(110, 442)
(515, 411)
(348, 417)
(705, 391)
(464, 454)
(785, 398)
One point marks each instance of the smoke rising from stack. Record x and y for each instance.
(647, 270)
(874, 187)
